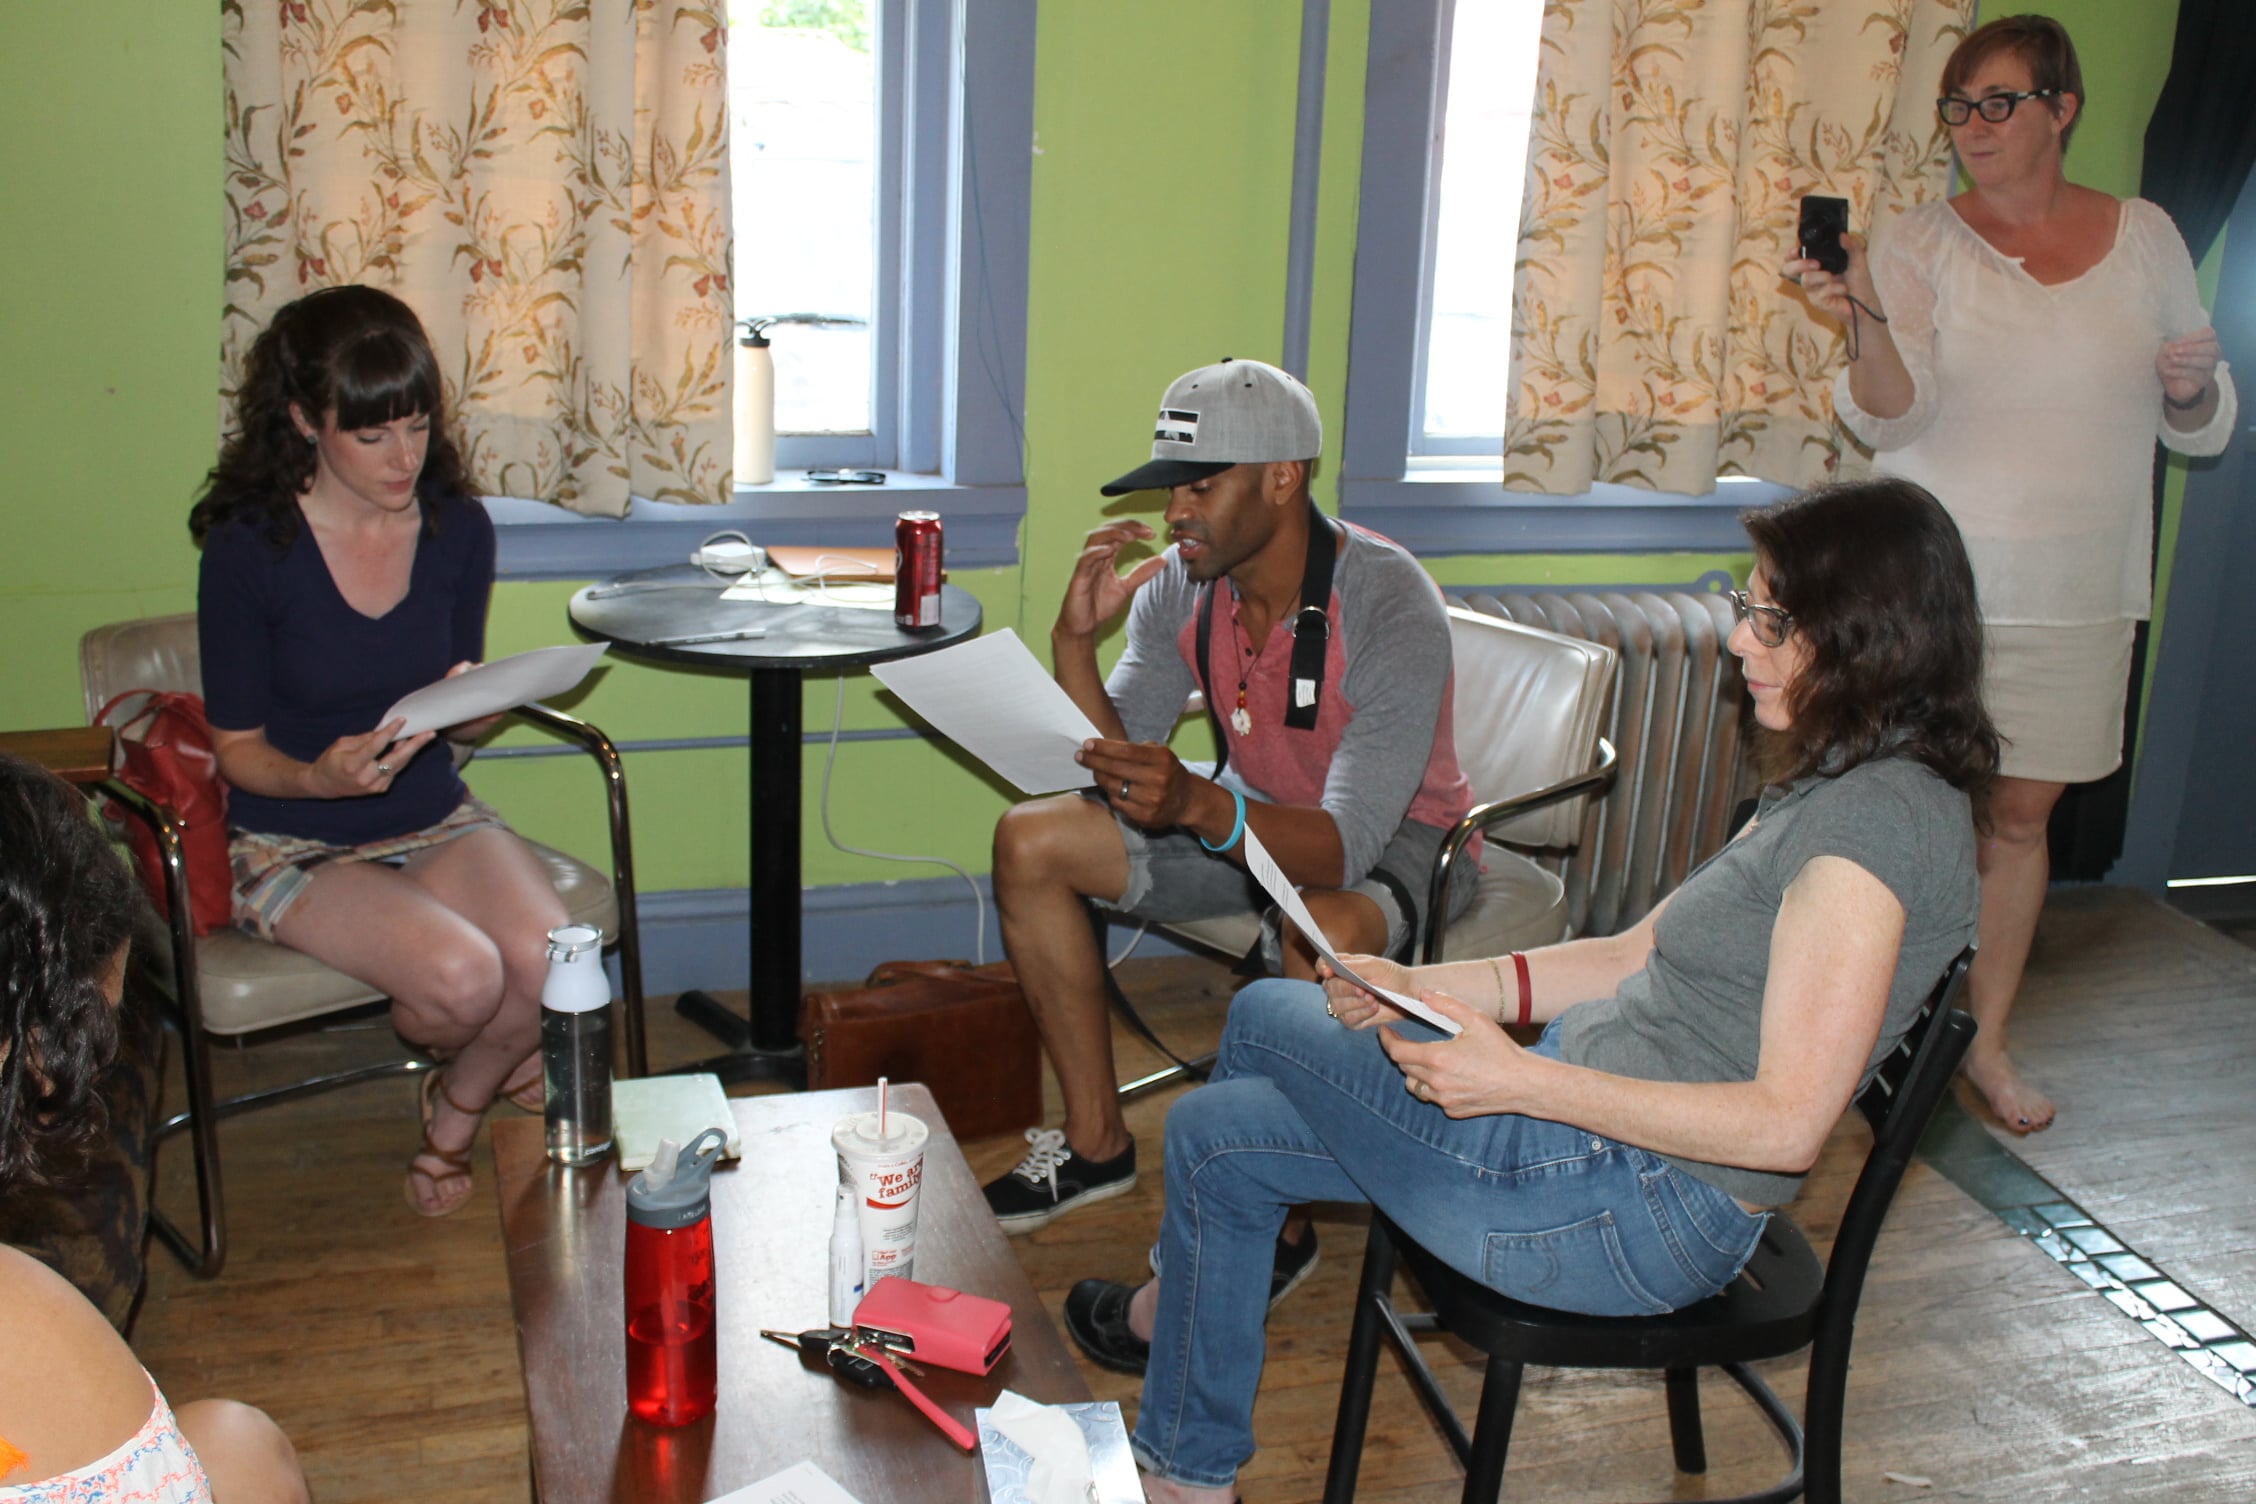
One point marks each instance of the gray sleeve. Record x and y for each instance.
(1397, 639)
(1150, 681)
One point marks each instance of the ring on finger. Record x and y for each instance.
(384, 768)
(1125, 788)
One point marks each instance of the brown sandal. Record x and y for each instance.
(456, 1161)
(533, 1095)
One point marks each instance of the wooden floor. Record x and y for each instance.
(384, 1344)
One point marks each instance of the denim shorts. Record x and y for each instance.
(1172, 879)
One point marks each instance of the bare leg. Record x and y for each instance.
(2014, 867)
(245, 1454)
(426, 935)
(1051, 855)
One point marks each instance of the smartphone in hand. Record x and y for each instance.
(1824, 221)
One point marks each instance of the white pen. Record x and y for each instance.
(740, 634)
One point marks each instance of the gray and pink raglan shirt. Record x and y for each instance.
(1382, 750)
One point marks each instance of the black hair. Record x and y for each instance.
(354, 353)
(66, 911)
(1877, 580)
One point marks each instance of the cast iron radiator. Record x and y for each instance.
(1677, 724)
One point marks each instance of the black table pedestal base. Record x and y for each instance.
(744, 1060)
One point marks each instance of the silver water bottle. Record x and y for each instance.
(576, 1046)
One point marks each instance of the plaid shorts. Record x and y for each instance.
(271, 871)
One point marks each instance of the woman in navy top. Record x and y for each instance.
(344, 565)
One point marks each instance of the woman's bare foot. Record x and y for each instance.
(524, 1086)
(2018, 1105)
(438, 1177)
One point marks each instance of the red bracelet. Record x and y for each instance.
(1527, 988)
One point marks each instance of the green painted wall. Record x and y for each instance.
(1161, 195)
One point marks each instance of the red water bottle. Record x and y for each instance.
(671, 1350)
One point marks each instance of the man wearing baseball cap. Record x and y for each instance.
(1323, 653)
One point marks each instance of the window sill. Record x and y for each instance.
(1440, 511)
(537, 541)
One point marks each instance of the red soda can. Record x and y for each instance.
(916, 571)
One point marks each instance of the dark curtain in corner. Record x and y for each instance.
(2200, 145)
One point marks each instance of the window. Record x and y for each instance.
(923, 229)
(804, 131)
(1446, 105)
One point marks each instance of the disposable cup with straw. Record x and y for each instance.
(881, 1161)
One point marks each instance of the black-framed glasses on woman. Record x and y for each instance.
(1771, 625)
(1997, 109)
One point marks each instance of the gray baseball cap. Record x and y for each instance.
(1238, 412)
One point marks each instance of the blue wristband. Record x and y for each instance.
(1236, 830)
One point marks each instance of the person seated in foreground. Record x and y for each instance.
(345, 565)
(79, 1418)
(1689, 1069)
(1324, 655)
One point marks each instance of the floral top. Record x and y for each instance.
(154, 1466)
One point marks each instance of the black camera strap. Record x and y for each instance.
(1311, 633)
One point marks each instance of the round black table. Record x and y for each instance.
(640, 613)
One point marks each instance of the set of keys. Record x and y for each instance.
(868, 1364)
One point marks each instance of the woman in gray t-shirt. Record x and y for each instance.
(1690, 1068)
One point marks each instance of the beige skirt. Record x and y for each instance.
(2056, 694)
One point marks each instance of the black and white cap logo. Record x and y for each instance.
(1176, 427)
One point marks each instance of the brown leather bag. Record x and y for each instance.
(963, 1031)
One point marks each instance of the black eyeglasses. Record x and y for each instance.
(1995, 108)
(1770, 625)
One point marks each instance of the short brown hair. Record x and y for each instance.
(2039, 41)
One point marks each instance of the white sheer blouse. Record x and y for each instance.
(2035, 408)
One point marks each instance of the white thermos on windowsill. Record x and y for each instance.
(755, 406)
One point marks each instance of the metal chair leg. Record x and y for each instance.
(1492, 1432)
(1685, 1432)
(1366, 1336)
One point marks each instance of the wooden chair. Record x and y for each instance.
(229, 985)
(1526, 712)
(1784, 1300)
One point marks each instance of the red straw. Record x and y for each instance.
(881, 1109)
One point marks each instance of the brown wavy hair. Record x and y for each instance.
(66, 909)
(1876, 578)
(2039, 41)
(355, 353)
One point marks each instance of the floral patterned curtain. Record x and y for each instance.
(544, 181)
(1653, 341)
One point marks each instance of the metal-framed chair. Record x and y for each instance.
(229, 985)
(1783, 1301)
(1527, 708)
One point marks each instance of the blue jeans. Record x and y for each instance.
(1303, 1109)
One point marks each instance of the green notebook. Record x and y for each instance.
(661, 1107)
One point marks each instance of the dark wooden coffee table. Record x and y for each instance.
(565, 1231)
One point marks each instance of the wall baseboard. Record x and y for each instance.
(700, 937)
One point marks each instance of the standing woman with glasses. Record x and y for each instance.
(2017, 350)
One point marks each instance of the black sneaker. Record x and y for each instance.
(1052, 1180)
(1096, 1318)
(1293, 1262)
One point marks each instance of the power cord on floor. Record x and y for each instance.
(978, 900)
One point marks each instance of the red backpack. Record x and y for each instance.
(166, 754)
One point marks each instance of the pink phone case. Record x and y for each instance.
(934, 1324)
